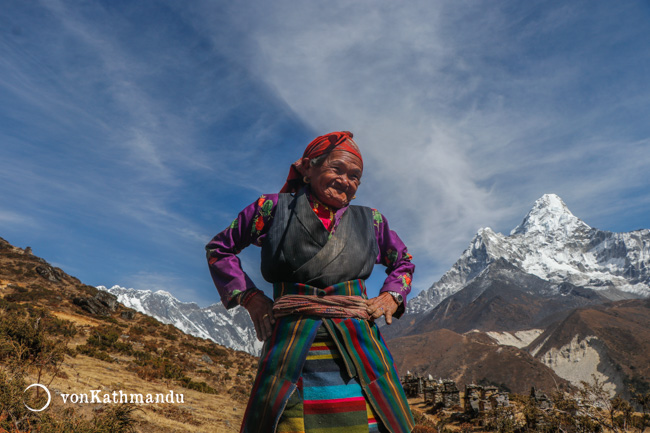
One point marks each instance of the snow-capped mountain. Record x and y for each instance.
(548, 288)
(231, 328)
(554, 245)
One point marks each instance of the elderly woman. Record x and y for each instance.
(324, 365)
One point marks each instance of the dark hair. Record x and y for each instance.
(318, 161)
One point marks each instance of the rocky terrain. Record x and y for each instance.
(519, 290)
(472, 358)
(609, 341)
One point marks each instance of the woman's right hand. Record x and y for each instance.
(260, 308)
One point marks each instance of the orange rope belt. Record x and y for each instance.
(333, 306)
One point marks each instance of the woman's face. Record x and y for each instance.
(336, 180)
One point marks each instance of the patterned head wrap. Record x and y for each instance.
(320, 146)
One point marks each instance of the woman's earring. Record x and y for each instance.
(306, 179)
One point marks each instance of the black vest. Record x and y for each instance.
(298, 248)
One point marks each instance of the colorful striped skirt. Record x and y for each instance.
(327, 399)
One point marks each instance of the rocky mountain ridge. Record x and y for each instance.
(231, 328)
(554, 245)
(502, 298)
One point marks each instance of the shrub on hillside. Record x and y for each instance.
(502, 419)
(12, 409)
(110, 319)
(158, 368)
(56, 326)
(113, 419)
(170, 335)
(198, 386)
(151, 346)
(141, 356)
(107, 338)
(89, 290)
(26, 340)
(150, 324)
(84, 349)
(136, 330)
(34, 293)
(239, 393)
(30, 340)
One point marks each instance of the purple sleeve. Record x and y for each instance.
(395, 256)
(248, 228)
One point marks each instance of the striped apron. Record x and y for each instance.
(342, 379)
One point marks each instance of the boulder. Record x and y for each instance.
(102, 304)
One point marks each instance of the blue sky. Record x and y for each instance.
(132, 132)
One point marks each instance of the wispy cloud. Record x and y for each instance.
(465, 113)
(13, 218)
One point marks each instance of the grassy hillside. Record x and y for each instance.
(59, 332)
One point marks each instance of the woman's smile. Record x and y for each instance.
(336, 180)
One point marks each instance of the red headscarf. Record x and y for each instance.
(320, 146)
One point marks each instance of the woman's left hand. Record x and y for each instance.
(383, 305)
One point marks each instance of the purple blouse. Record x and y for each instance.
(251, 226)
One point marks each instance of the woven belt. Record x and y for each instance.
(332, 306)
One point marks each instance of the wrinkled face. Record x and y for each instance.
(335, 182)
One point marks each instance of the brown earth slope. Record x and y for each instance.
(110, 348)
(619, 331)
(472, 358)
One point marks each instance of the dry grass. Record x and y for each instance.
(141, 343)
(200, 412)
(77, 319)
